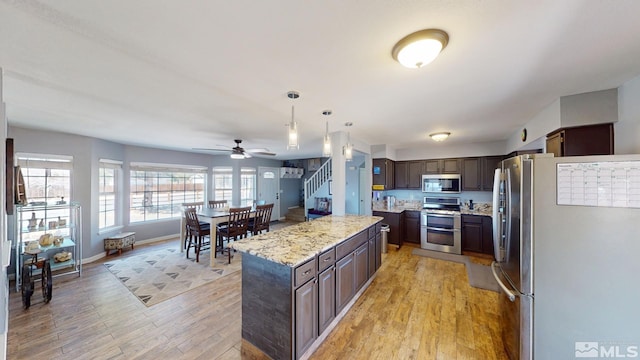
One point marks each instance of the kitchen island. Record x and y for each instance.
(299, 281)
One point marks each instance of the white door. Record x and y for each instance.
(363, 190)
(269, 189)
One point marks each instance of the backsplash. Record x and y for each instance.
(400, 204)
(476, 206)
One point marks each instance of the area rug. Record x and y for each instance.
(479, 275)
(159, 275)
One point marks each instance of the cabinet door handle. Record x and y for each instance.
(327, 259)
(306, 272)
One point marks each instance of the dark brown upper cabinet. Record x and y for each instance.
(442, 166)
(408, 174)
(383, 174)
(489, 166)
(581, 140)
(471, 174)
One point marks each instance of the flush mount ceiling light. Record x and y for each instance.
(293, 126)
(326, 148)
(439, 136)
(420, 48)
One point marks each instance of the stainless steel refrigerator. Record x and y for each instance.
(567, 256)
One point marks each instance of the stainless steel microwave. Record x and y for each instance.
(441, 183)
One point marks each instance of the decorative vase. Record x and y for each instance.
(33, 222)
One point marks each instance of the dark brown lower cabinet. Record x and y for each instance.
(378, 249)
(326, 298)
(372, 255)
(362, 266)
(345, 281)
(396, 226)
(352, 272)
(412, 226)
(477, 234)
(306, 316)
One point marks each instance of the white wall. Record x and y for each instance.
(547, 120)
(627, 129)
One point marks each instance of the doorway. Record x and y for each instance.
(269, 189)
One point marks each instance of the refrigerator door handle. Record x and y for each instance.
(510, 294)
(507, 216)
(497, 219)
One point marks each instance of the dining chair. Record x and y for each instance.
(197, 205)
(261, 220)
(216, 204)
(235, 228)
(197, 234)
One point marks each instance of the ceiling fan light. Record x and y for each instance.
(236, 156)
(440, 136)
(420, 48)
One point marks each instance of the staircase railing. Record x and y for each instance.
(316, 181)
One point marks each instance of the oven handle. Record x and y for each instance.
(441, 215)
(440, 229)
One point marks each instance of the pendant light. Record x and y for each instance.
(293, 126)
(326, 148)
(347, 150)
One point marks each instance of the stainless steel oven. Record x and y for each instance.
(440, 224)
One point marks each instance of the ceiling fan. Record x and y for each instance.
(237, 152)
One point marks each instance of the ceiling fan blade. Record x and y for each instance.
(261, 151)
(265, 153)
(208, 149)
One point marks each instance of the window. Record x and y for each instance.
(47, 178)
(158, 191)
(109, 177)
(223, 183)
(247, 186)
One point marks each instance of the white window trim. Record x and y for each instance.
(159, 167)
(118, 195)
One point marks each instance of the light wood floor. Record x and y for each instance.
(416, 308)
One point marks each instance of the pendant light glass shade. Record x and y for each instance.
(348, 149)
(348, 152)
(292, 142)
(293, 133)
(326, 147)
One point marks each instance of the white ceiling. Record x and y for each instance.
(185, 74)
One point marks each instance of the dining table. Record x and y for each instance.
(214, 217)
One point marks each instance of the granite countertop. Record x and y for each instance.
(481, 212)
(481, 209)
(298, 243)
(395, 209)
